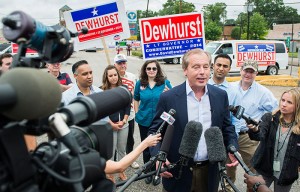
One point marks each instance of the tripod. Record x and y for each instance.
(224, 177)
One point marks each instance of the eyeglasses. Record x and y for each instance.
(122, 62)
(149, 68)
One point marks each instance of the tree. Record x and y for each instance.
(172, 7)
(212, 31)
(274, 11)
(215, 12)
(258, 27)
(235, 33)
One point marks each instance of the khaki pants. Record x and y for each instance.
(200, 179)
(247, 147)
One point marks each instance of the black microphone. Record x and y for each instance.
(19, 25)
(189, 143)
(215, 145)
(168, 118)
(231, 148)
(238, 112)
(85, 110)
(27, 93)
(164, 150)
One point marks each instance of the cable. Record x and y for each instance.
(58, 176)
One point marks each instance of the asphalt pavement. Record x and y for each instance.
(174, 73)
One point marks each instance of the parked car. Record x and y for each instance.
(92, 49)
(271, 55)
(5, 48)
(175, 60)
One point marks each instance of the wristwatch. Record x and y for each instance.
(256, 186)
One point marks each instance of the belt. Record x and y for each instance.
(243, 132)
(200, 163)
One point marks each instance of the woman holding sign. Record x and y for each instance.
(147, 90)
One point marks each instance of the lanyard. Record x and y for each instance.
(279, 133)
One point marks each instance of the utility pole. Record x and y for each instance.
(180, 6)
(147, 8)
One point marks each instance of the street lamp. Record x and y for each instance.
(250, 7)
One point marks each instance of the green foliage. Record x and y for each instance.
(172, 7)
(258, 27)
(215, 12)
(274, 11)
(137, 53)
(235, 33)
(212, 31)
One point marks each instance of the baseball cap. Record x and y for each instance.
(250, 64)
(120, 58)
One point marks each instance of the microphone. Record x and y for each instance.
(189, 143)
(27, 93)
(85, 110)
(238, 112)
(215, 145)
(19, 25)
(231, 148)
(167, 117)
(164, 150)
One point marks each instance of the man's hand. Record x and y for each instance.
(234, 161)
(251, 180)
(165, 174)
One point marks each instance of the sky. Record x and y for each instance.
(46, 11)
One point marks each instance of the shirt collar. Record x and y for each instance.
(190, 90)
(78, 92)
(223, 84)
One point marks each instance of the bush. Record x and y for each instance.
(137, 53)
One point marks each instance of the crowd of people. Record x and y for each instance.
(269, 149)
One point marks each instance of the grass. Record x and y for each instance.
(294, 54)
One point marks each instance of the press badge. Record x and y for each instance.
(276, 165)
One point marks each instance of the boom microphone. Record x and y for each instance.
(18, 25)
(231, 148)
(164, 150)
(167, 117)
(189, 143)
(215, 145)
(28, 94)
(85, 110)
(238, 112)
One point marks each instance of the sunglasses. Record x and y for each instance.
(149, 68)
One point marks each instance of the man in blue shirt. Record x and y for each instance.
(221, 67)
(84, 80)
(257, 100)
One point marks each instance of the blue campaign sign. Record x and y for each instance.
(94, 12)
(256, 47)
(171, 48)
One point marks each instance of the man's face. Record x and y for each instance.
(221, 68)
(248, 75)
(121, 66)
(6, 62)
(84, 76)
(198, 70)
(54, 67)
